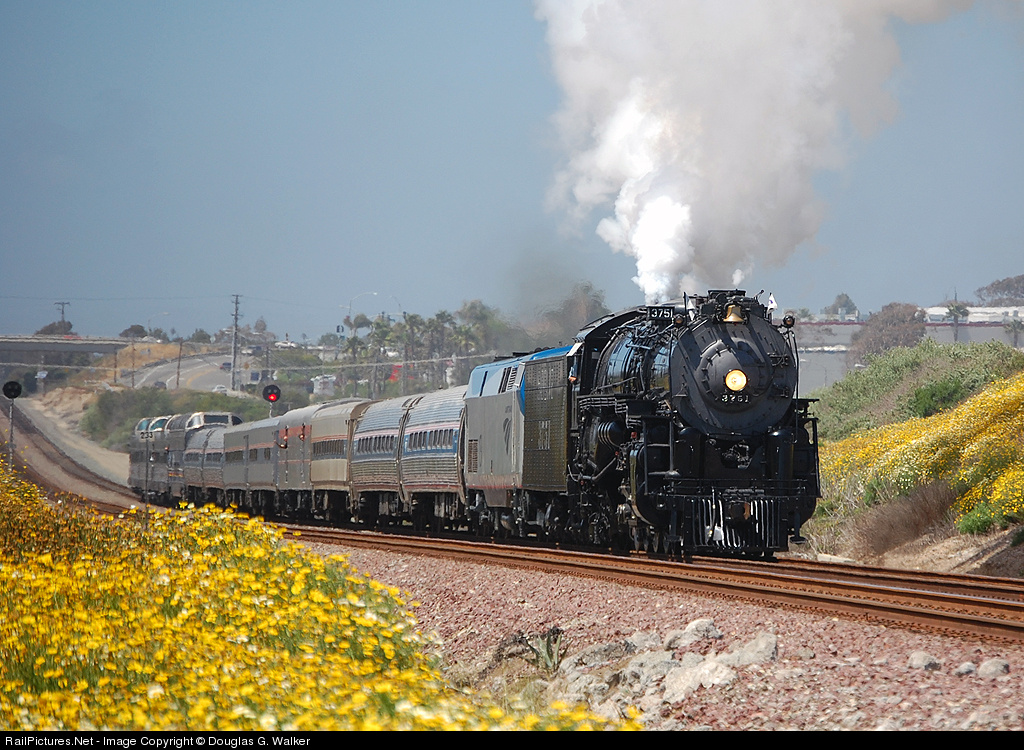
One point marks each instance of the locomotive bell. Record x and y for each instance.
(733, 314)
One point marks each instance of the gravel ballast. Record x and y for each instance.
(829, 673)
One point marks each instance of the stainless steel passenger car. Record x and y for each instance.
(376, 490)
(181, 431)
(430, 463)
(176, 435)
(250, 465)
(204, 465)
(158, 449)
(331, 436)
(147, 461)
(294, 488)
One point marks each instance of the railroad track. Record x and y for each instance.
(975, 605)
(48, 466)
(960, 604)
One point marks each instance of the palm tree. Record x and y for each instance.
(354, 347)
(380, 336)
(487, 326)
(463, 341)
(956, 311)
(409, 332)
(438, 330)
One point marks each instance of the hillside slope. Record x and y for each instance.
(912, 382)
(894, 483)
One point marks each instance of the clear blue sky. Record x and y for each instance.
(156, 158)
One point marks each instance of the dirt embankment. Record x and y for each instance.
(946, 551)
(57, 416)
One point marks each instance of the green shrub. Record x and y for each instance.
(980, 520)
(938, 395)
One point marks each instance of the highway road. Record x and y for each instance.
(198, 373)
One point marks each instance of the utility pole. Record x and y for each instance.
(177, 383)
(61, 305)
(234, 343)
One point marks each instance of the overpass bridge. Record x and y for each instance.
(62, 344)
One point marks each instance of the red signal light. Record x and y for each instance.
(271, 393)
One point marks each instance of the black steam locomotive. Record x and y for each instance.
(689, 424)
(673, 427)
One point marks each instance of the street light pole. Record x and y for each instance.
(363, 294)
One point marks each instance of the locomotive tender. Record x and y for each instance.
(670, 427)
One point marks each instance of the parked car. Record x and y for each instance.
(220, 389)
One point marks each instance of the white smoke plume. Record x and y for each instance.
(704, 121)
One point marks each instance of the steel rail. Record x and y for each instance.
(974, 605)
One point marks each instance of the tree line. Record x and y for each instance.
(394, 355)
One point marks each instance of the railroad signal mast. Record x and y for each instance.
(272, 394)
(12, 389)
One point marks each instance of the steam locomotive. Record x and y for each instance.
(670, 428)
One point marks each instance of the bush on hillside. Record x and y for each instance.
(980, 520)
(933, 397)
(911, 382)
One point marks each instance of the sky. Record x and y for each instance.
(321, 157)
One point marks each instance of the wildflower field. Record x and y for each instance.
(977, 448)
(205, 620)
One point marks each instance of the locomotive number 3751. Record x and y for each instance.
(660, 313)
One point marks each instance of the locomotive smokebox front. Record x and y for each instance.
(732, 373)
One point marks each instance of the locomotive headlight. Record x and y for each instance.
(736, 380)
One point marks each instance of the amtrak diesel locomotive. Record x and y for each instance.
(673, 427)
